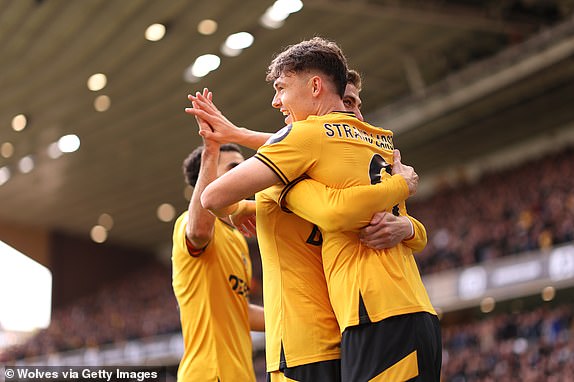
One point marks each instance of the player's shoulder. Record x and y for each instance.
(367, 125)
(182, 219)
(280, 135)
(294, 131)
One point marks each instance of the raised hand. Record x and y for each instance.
(202, 123)
(221, 129)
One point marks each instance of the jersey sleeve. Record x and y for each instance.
(345, 209)
(418, 241)
(291, 151)
(180, 240)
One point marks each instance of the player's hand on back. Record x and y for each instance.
(407, 172)
(385, 230)
(244, 218)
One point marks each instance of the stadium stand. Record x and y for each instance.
(514, 220)
(533, 345)
(139, 306)
(502, 214)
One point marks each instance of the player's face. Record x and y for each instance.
(228, 160)
(293, 96)
(352, 101)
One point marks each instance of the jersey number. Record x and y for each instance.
(377, 163)
(315, 238)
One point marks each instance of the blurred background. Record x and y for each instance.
(93, 133)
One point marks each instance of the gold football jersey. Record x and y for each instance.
(212, 291)
(300, 325)
(340, 151)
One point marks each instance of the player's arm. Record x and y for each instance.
(351, 208)
(345, 209)
(386, 230)
(256, 318)
(225, 195)
(200, 222)
(418, 241)
(223, 130)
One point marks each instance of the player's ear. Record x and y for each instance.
(316, 85)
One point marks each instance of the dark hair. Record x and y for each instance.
(314, 54)
(192, 163)
(353, 77)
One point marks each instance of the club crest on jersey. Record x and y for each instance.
(280, 135)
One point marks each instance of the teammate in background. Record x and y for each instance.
(304, 349)
(389, 328)
(211, 279)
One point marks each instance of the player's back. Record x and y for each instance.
(300, 326)
(364, 284)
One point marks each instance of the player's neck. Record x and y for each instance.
(330, 104)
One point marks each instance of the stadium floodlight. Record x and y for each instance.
(288, 6)
(26, 164)
(97, 81)
(274, 17)
(155, 32)
(240, 40)
(205, 64)
(69, 143)
(25, 292)
(19, 122)
(201, 67)
(4, 175)
(235, 43)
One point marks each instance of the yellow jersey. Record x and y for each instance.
(351, 208)
(212, 289)
(338, 150)
(300, 326)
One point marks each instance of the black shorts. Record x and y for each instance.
(324, 371)
(400, 348)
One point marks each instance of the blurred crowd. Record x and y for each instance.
(504, 213)
(531, 346)
(527, 208)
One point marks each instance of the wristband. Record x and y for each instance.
(412, 229)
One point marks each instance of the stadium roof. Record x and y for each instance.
(458, 80)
